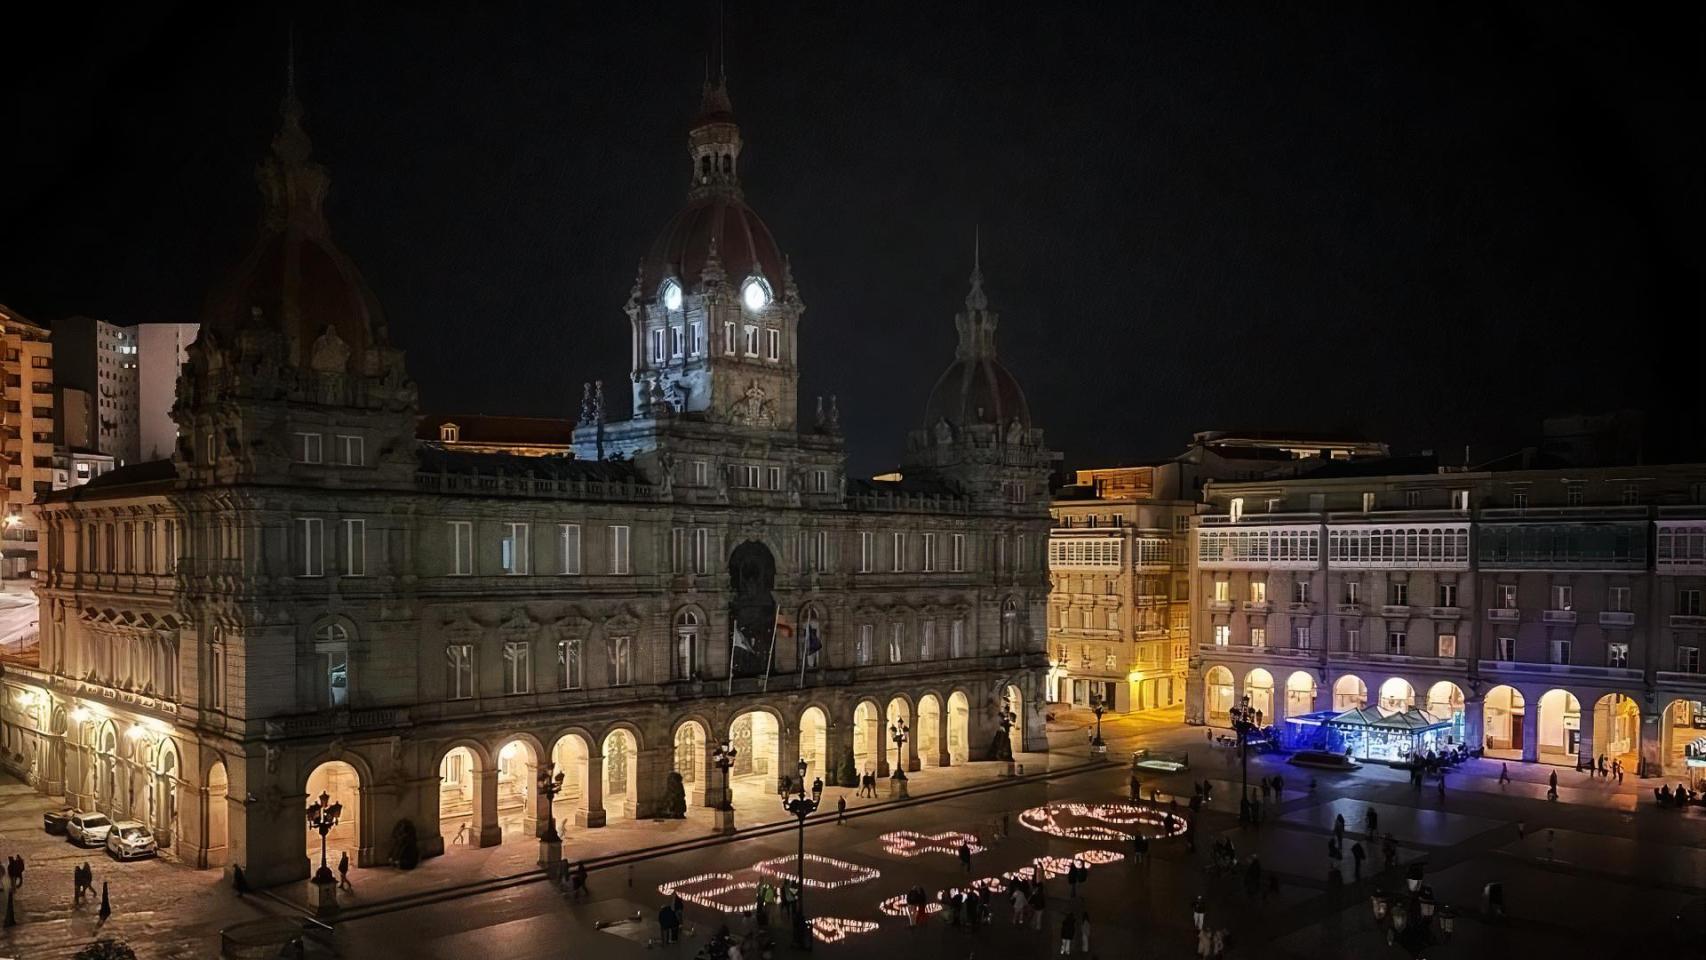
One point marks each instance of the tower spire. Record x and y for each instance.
(293, 185)
(975, 300)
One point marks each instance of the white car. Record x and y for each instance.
(129, 840)
(88, 829)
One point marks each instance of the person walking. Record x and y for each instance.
(1068, 933)
(76, 885)
(965, 856)
(577, 881)
(1036, 907)
(1197, 908)
(1552, 786)
(664, 913)
(1504, 773)
(1136, 788)
(1339, 828)
(1357, 855)
(1389, 849)
(1084, 932)
(18, 880)
(238, 880)
(1618, 767)
(343, 872)
(106, 903)
(1442, 784)
(841, 809)
(1373, 822)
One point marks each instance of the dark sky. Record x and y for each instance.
(1433, 224)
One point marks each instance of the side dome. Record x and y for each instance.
(743, 244)
(977, 390)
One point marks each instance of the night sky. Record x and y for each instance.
(1427, 224)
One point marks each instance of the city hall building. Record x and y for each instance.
(309, 596)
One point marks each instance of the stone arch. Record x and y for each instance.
(1014, 696)
(1349, 693)
(930, 729)
(959, 727)
(1616, 727)
(1259, 687)
(1300, 690)
(756, 735)
(1396, 695)
(165, 779)
(341, 781)
(571, 754)
(1680, 740)
(620, 749)
(1505, 723)
(1219, 696)
(1560, 726)
(217, 830)
(691, 743)
(517, 766)
(901, 720)
(463, 808)
(868, 737)
(814, 742)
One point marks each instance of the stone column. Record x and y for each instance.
(1584, 750)
(882, 746)
(943, 758)
(711, 783)
(646, 789)
(788, 755)
(487, 831)
(1531, 730)
(913, 764)
(533, 810)
(590, 812)
(1474, 722)
(1652, 744)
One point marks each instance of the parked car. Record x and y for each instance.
(130, 840)
(87, 829)
(1326, 759)
(53, 821)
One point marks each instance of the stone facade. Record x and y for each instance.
(308, 597)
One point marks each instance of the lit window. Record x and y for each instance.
(570, 543)
(449, 432)
(513, 549)
(729, 338)
(695, 339)
(671, 296)
(619, 550)
(1617, 655)
(772, 344)
(1448, 645)
(621, 660)
(518, 667)
(569, 664)
(459, 659)
(1222, 635)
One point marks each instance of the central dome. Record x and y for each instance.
(977, 390)
(744, 244)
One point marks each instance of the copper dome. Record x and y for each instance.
(744, 244)
(977, 390)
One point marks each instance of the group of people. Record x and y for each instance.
(1605, 771)
(1681, 797)
(868, 784)
(1211, 942)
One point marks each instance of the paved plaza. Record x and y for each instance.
(1597, 871)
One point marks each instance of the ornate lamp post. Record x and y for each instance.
(724, 815)
(899, 732)
(323, 815)
(1243, 721)
(1098, 706)
(802, 806)
(550, 842)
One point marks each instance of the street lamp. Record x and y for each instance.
(802, 806)
(723, 758)
(323, 815)
(549, 787)
(1098, 706)
(898, 732)
(1243, 721)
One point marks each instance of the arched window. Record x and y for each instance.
(569, 675)
(811, 637)
(686, 645)
(449, 433)
(1009, 625)
(331, 653)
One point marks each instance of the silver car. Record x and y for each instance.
(130, 840)
(88, 829)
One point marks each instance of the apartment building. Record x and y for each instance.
(26, 430)
(1544, 612)
(162, 349)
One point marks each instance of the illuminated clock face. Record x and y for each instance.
(755, 294)
(671, 295)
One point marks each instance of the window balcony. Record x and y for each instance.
(1689, 620)
(1301, 607)
(1348, 609)
(1255, 606)
(1220, 606)
(1616, 618)
(1558, 616)
(1445, 613)
(1504, 614)
(1394, 609)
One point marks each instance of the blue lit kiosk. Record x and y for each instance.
(1367, 734)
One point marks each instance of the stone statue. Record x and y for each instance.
(944, 432)
(675, 396)
(833, 419)
(598, 401)
(330, 353)
(1015, 431)
(588, 413)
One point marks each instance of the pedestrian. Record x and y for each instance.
(841, 809)
(77, 885)
(1619, 768)
(578, 882)
(1552, 786)
(1197, 907)
(343, 872)
(965, 856)
(664, 923)
(238, 880)
(1504, 773)
(1373, 822)
(1604, 771)
(20, 877)
(1068, 932)
(1339, 828)
(1084, 932)
(1136, 789)
(1018, 906)
(106, 903)
(461, 834)
(1036, 907)
(1442, 784)
(1357, 855)
(1210, 735)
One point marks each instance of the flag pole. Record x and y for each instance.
(775, 620)
(804, 647)
(734, 627)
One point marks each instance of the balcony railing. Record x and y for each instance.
(1302, 607)
(1220, 606)
(1504, 614)
(1255, 606)
(1395, 610)
(1687, 620)
(1348, 609)
(1445, 613)
(1558, 616)
(1616, 618)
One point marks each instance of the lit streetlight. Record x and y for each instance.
(802, 806)
(899, 732)
(723, 816)
(323, 815)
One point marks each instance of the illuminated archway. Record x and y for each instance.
(900, 718)
(756, 736)
(1445, 701)
(460, 805)
(1349, 693)
(959, 728)
(571, 755)
(621, 774)
(814, 743)
(929, 731)
(342, 784)
(867, 737)
(1617, 731)
(1217, 695)
(1504, 719)
(1682, 739)
(1016, 704)
(1560, 721)
(218, 814)
(1259, 687)
(692, 739)
(518, 779)
(1299, 693)
(1396, 695)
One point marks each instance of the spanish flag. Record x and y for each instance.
(784, 626)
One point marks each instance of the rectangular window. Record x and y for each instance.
(1688, 603)
(1505, 649)
(773, 478)
(460, 659)
(1618, 600)
(1258, 636)
(1560, 651)
(929, 553)
(1519, 499)
(619, 550)
(1412, 498)
(1396, 643)
(1353, 591)
(1507, 596)
(307, 447)
(696, 338)
(657, 345)
(355, 548)
(569, 544)
(686, 647)
(1258, 591)
(461, 548)
(312, 540)
(927, 640)
(820, 481)
(1688, 659)
(862, 652)
(1300, 637)
(1563, 598)
(867, 551)
(1222, 635)
(1448, 594)
(1222, 590)
(1617, 655)
(897, 640)
(957, 638)
(701, 473)
(1367, 502)
(898, 540)
(621, 660)
(729, 338)
(353, 450)
(1573, 495)
(678, 550)
(334, 672)
(701, 550)
(1300, 591)
(772, 344)
(1113, 619)
(1398, 594)
(1353, 639)
(518, 667)
(1447, 646)
(1459, 499)
(677, 342)
(569, 665)
(751, 340)
(513, 550)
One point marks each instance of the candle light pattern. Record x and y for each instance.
(896, 906)
(774, 867)
(1154, 824)
(836, 929)
(906, 843)
(1052, 867)
(724, 883)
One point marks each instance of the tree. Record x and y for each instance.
(405, 847)
(107, 949)
(847, 770)
(675, 797)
